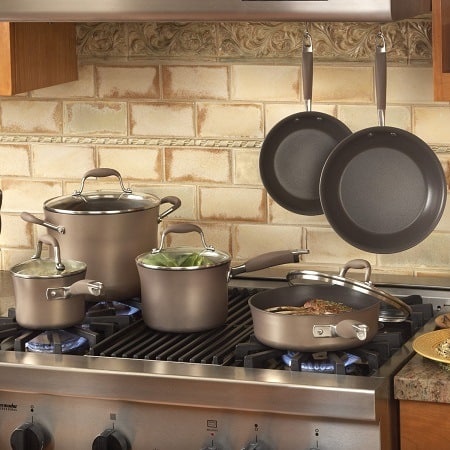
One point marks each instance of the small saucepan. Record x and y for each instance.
(280, 321)
(50, 294)
(185, 289)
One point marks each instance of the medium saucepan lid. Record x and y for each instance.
(392, 309)
(183, 258)
(48, 268)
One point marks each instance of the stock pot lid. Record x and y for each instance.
(102, 202)
(183, 258)
(46, 268)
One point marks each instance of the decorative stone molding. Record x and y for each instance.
(408, 42)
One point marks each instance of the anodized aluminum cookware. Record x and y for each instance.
(323, 332)
(106, 230)
(383, 189)
(296, 148)
(185, 289)
(50, 293)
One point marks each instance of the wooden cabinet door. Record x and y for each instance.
(441, 49)
(424, 425)
(36, 55)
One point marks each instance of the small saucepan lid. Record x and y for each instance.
(48, 268)
(392, 309)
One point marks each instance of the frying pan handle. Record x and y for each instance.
(380, 77)
(357, 264)
(307, 70)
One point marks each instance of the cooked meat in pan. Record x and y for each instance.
(314, 306)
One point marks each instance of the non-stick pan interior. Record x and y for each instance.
(292, 158)
(298, 295)
(383, 190)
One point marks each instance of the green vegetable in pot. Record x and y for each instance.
(190, 260)
(194, 259)
(160, 260)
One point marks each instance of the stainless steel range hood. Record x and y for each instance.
(210, 10)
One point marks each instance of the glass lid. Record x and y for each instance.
(36, 267)
(182, 258)
(392, 308)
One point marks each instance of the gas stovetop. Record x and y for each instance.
(117, 330)
(219, 389)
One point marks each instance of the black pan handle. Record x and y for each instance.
(307, 70)
(380, 77)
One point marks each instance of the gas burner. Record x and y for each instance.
(113, 308)
(324, 362)
(57, 341)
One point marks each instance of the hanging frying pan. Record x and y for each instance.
(383, 190)
(296, 148)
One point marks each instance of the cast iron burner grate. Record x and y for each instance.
(208, 347)
(233, 344)
(362, 361)
(72, 340)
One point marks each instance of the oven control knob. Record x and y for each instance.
(29, 436)
(110, 439)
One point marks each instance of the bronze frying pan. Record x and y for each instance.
(296, 148)
(383, 190)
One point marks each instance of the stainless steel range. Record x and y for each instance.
(129, 387)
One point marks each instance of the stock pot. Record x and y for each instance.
(179, 293)
(50, 293)
(106, 230)
(324, 332)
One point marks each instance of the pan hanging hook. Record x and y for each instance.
(307, 39)
(380, 41)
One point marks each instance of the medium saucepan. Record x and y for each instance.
(49, 293)
(106, 230)
(185, 289)
(323, 332)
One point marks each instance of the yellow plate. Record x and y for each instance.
(426, 344)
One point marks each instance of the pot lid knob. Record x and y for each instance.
(49, 240)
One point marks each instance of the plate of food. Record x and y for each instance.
(443, 320)
(434, 345)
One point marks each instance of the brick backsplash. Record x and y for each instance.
(183, 108)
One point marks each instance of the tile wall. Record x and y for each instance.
(182, 109)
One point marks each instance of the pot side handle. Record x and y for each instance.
(33, 219)
(270, 259)
(347, 329)
(81, 287)
(174, 201)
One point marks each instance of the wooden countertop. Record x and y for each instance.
(423, 380)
